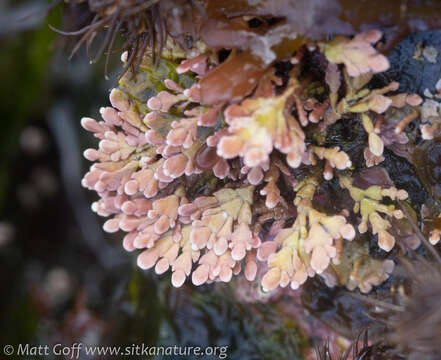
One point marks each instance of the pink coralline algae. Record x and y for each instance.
(208, 186)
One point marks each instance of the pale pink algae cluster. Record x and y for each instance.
(149, 165)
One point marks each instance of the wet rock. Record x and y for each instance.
(427, 161)
(416, 62)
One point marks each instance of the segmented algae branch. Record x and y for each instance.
(211, 173)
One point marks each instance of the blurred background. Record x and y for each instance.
(63, 280)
